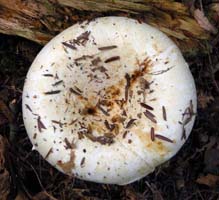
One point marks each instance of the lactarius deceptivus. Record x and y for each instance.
(109, 100)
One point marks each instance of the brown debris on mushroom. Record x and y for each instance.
(68, 166)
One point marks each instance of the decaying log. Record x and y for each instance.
(40, 20)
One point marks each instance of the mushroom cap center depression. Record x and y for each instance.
(106, 99)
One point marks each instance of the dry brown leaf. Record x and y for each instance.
(21, 196)
(131, 194)
(209, 180)
(215, 7)
(204, 22)
(204, 99)
(43, 195)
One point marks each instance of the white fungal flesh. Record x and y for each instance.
(109, 100)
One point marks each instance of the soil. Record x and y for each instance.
(192, 174)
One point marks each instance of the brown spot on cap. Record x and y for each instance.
(67, 166)
(90, 110)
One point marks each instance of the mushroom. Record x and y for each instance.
(108, 100)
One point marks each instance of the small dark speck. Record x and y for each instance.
(82, 162)
(35, 135)
(129, 141)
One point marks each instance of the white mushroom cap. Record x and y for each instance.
(109, 100)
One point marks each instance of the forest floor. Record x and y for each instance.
(192, 174)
